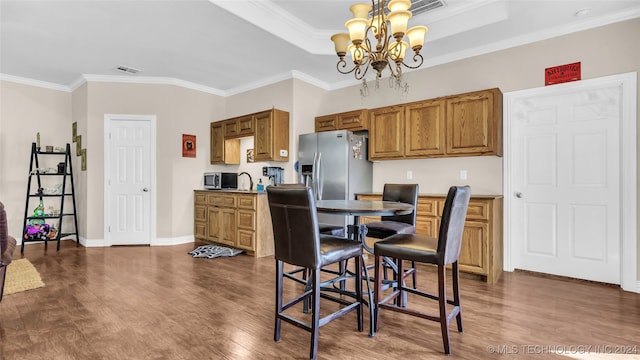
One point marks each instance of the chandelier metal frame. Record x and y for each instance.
(379, 48)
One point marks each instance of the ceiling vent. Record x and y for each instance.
(417, 6)
(126, 70)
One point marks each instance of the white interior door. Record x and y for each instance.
(129, 181)
(566, 181)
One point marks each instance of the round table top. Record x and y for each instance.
(363, 207)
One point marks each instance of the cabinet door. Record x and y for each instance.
(263, 140)
(386, 136)
(245, 125)
(353, 120)
(231, 128)
(271, 139)
(325, 123)
(425, 128)
(474, 123)
(217, 143)
(474, 252)
(213, 226)
(227, 226)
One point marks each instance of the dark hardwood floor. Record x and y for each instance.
(160, 303)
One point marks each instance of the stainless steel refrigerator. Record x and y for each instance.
(334, 164)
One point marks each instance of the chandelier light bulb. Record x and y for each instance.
(399, 5)
(361, 10)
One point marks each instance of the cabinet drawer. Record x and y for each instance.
(200, 213)
(200, 198)
(200, 230)
(246, 219)
(221, 200)
(428, 207)
(247, 202)
(246, 240)
(478, 210)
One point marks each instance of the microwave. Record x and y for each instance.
(220, 180)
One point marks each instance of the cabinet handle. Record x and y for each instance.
(518, 195)
(145, 189)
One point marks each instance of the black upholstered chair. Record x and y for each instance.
(397, 224)
(441, 252)
(298, 242)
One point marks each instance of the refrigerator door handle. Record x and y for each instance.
(314, 175)
(319, 174)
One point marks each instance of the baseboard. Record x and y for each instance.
(100, 242)
(172, 241)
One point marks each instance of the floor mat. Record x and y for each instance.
(213, 251)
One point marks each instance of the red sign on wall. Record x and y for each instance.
(562, 73)
(188, 145)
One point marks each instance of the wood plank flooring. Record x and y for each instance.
(160, 303)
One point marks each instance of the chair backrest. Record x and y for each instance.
(4, 228)
(452, 223)
(405, 193)
(295, 225)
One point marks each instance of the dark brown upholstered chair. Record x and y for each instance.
(7, 246)
(331, 229)
(298, 242)
(397, 224)
(441, 251)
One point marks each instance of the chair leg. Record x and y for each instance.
(442, 302)
(378, 289)
(401, 300)
(358, 272)
(414, 275)
(315, 312)
(278, 321)
(372, 303)
(456, 294)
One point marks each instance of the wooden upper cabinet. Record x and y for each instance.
(474, 123)
(271, 139)
(351, 120)
(460, 125)
(386, 134)
(270, 130)
(217, 142)
(425, 128)
(326, 123)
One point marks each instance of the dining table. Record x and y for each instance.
(357, 208)
(357, 231)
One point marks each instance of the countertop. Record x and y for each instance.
(234, 191)
(477, 196)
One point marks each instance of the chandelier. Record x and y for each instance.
(378, 41)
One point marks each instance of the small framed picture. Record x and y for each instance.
(188, 145)
(249, 155)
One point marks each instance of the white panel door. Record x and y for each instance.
(566, 182)
(129, 183)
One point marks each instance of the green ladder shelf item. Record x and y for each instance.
(35, 172)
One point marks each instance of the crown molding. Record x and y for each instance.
(276, 20)
(32, 82)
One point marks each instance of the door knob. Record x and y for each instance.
(145, 189)
(518, 195)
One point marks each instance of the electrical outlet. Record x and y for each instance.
(463, 174)
(409, 174)
(284, 153)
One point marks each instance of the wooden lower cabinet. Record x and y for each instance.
(481, 251)
(239, 220)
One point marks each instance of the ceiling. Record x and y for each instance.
(229, 46)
